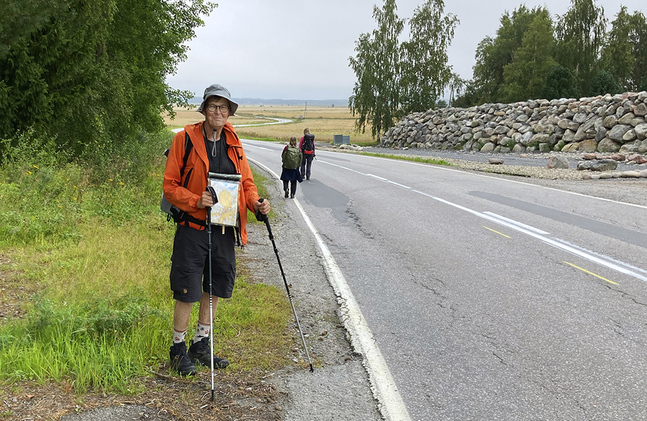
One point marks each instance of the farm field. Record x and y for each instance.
(323, 122)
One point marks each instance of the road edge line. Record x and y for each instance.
(382, 383)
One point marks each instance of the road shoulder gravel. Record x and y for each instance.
(339, 387)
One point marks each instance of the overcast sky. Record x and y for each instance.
(290, 49)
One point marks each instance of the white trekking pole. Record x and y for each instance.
(215, 200)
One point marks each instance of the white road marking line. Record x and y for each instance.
(383, 385)
(512, 221)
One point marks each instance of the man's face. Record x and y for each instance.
(216, 112)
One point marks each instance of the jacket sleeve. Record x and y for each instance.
(172, 184)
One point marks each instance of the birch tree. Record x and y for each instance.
(376, 95)
(579, 38)
(425, 72)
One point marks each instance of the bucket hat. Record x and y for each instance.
(222, 92)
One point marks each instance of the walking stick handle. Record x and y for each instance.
(259, 216)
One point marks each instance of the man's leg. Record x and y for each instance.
(180, 361)
(200, 348)
(203, 314)
(181, 316)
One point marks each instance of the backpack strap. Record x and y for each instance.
(187, 149)
(176, 214)
(188, 145)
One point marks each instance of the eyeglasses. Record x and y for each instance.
(213, 107)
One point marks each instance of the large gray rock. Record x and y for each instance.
(608, 145)
(488, 147)
(557, 162)
(641, 131)
(601, 165)
(641, 110)
(618, 131)
(609, 121)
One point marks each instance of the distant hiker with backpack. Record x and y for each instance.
(212, 146)
(291, 158)
(307, 147)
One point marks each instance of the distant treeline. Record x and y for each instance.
(534, 55)
(293, 102)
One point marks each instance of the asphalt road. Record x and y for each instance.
(487, 298)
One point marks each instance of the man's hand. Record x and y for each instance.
(205, 201)
(262, 207)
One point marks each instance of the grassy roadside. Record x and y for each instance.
(84, 298)
(434, 161)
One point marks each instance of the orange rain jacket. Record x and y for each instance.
(197, 172)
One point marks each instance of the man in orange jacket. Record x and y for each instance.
(214, 147)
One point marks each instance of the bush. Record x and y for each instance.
(560, 83)
(45, 194)
(604, 83)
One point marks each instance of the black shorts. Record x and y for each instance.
(190, 269)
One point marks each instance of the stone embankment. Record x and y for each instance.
(612, 125)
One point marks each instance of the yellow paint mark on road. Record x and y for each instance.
(500, 233)
(591, 273)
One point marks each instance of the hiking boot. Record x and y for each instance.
(286, 193)
(200, 351)
(180, 361)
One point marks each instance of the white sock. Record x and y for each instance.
(178, 337)
(202, 331)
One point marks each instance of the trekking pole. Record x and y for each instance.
(264, 218)
(214, 198)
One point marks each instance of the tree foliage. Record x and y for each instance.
(377, 68)
(395, 78)
(534, 55)
(559, 84)
(494, 54)
(604, 83)
(425, 73)
(580, 33)
(91, 73)
(525, 76)
(624, 54)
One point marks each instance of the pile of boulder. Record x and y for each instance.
(606, 124)
(607, 165)
(601, 166)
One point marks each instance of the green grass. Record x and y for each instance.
(263, 138)
(434, 161)
(262, 192)
(96, 257)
